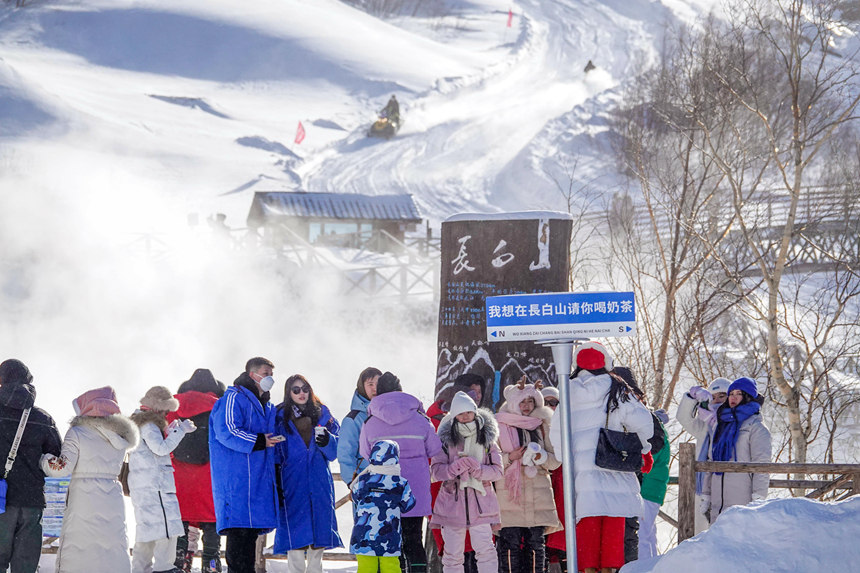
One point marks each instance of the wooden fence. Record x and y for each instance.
(846, 477)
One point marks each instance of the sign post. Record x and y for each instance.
(560, 320)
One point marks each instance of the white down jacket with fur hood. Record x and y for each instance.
(150, 480)
(600, 491)
(94, 537)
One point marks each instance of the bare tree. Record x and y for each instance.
(656, 239)
(790, 93)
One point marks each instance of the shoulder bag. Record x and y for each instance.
(618, 450)
(10, 460)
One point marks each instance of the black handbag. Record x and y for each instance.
(617, 450)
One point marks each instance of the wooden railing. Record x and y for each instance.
(847, 478)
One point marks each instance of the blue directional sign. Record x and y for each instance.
(553, 315)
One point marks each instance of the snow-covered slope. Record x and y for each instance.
(119, 118)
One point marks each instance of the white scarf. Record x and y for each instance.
(474, 450)
(389, 470)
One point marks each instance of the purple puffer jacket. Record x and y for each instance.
(399, 417)
(457, 507)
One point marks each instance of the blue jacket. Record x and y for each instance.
(306, 512)
(243, 479)
(380, 499)
(351, 462)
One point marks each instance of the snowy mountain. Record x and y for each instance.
(119, 119)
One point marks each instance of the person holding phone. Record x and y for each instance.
(306, 518)
(242, 458)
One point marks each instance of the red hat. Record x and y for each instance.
(592, 356)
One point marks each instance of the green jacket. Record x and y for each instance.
(655, 482)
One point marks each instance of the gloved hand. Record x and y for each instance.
(699, 394)
(662, 415)
(322, 437)
(470, 463)
(705, 504)
(476, 471)
(647, 463)
(187, 426)
(457, 467)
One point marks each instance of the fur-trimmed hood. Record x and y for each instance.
(488, 428)
(117, 429)
(141, 417)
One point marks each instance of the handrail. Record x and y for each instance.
(688, 466)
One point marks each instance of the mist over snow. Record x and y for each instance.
(120, 118)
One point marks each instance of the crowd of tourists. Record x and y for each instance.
(210, 463)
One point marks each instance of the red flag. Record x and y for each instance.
(510, 17)
(300, 133)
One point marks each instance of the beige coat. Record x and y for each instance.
(94, 538)
(537, 505)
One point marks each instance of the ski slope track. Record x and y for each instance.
(462, 138)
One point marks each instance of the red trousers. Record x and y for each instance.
(600, 542)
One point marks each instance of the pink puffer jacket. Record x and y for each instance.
(456, 507)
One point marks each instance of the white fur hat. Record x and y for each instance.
(462, 402)
(549, 392)
(159, 398)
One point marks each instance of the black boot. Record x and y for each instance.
(470, 562)
(508, 547)
(211, 565)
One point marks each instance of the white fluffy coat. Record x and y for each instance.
(94, 537)
(153, 490)
(599, 491)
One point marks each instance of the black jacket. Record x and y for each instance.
(26, 480)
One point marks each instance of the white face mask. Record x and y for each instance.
(266, 383)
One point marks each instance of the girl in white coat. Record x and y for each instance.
(94, 537)
(150, 480)
(604, 498)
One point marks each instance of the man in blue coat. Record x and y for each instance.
(242, 458)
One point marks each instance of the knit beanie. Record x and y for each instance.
(13, 371)
(592, 356)
(745, 384)
(159, 398)
(388, 382)
(100, 403)
(719, 385)
(462, 402)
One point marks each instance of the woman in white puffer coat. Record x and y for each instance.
(604, 498)
(150, 480)
(94, 537)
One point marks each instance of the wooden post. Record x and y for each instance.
(686, 491)
(855, 483)
(259, 558)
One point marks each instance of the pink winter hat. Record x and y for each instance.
(516, 393)
(100, 403)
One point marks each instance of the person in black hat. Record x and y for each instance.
(20, 524)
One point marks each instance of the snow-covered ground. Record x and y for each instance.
(120, 118)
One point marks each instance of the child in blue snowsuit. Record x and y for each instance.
(380, 495)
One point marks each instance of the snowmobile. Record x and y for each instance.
(384, 127)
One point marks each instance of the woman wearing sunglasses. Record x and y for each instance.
(306, 517)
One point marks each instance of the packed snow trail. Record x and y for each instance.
(458, 136)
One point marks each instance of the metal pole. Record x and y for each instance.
(562, 355)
